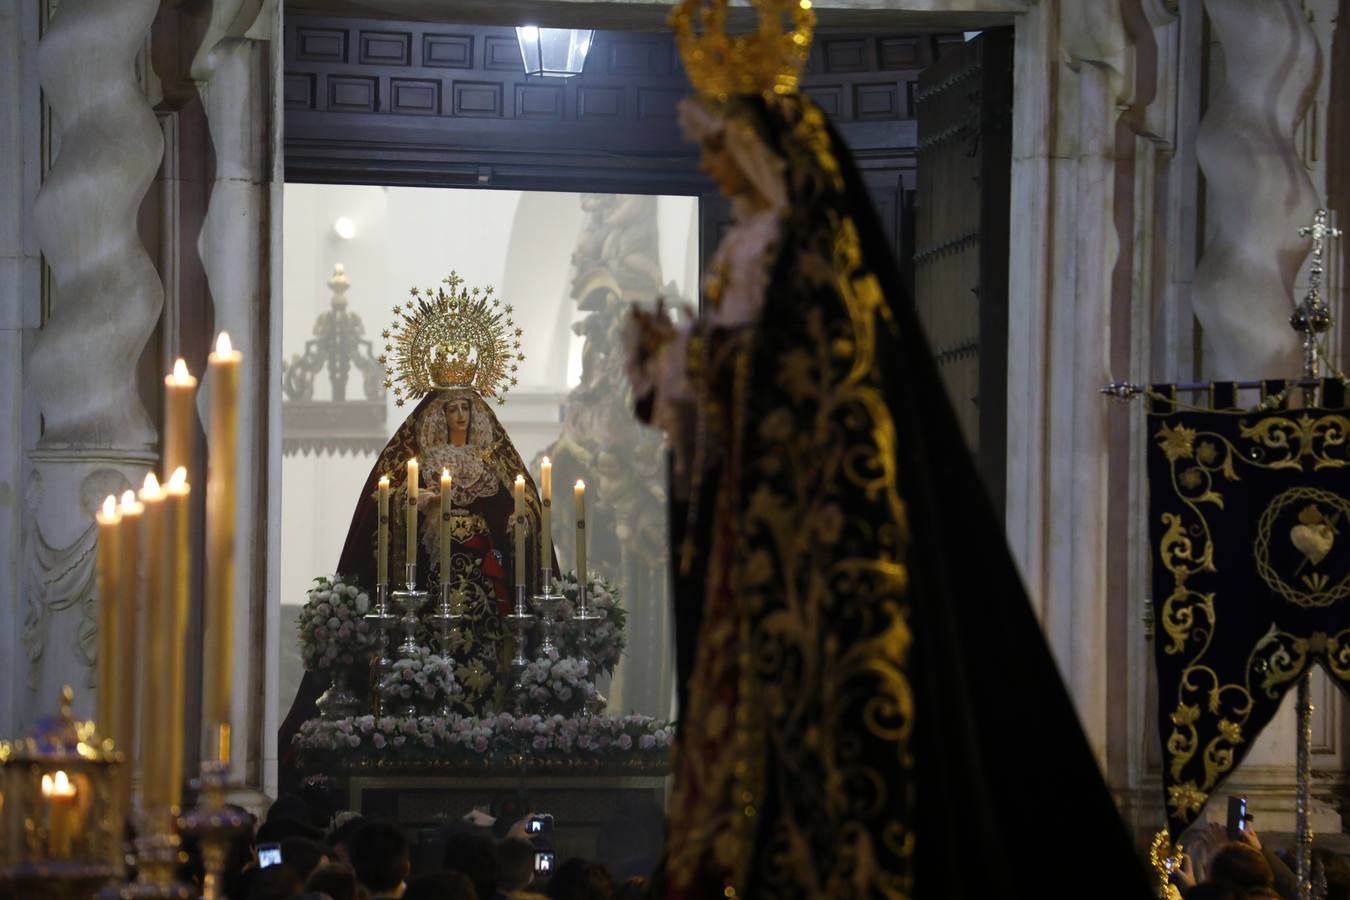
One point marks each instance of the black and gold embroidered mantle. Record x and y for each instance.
(1250, 528)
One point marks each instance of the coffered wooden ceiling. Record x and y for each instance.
(650, 15)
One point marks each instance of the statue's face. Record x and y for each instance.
(718, 164)
(457, 417)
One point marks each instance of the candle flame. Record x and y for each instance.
(445, 473)
(581, 484)
(520, 480)
(151, 489)
(128, 499)
(384, 481)
(547, 462)
(58, 786)
(413, 461)
(178, 480)
(180, 372)
(223, 346)
(110, 507)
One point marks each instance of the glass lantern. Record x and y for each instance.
(554, 52)
(60, 833)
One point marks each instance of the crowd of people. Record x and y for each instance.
(1243, 868)
(367, 859)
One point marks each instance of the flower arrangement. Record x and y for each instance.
(605, 638)
(333, 630)
(557, 683)
(618, 739)
(424, 679)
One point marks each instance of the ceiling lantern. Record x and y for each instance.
(556, 52)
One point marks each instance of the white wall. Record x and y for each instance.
(520, 243)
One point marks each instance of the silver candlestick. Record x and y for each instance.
(411, 601)
(583, 619)
(546, 602)
(445, 619)
(383, 621)
(521, 620)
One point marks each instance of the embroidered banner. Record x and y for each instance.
(1250, 531)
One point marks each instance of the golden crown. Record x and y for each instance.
(451, 337)
(768, 60)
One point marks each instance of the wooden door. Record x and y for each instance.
(960, 262)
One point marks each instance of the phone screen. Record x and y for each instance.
(543, 862)
(269, 855)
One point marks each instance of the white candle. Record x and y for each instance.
(128, 641)
(108, 563)
(410, 549)
(224, 366)
(179, 565)
(154, 731)
(382, 535)
(178, 390)
(580, 492)
(447, 483)
(546, 525)
(520, 529)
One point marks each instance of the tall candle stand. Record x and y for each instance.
(383, 621)
(445, 620)
(583, 619)
(547, 602)
(520, 619)
(411, 601)
(213, 822)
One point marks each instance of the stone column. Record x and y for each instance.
(1258, 190)
(20, 295)
(239, 246)
(105, 300)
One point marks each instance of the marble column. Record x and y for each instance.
(20, 294)
(240, 250)
(1258, 190)
(105, 299)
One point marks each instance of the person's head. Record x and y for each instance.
(474, 854)
(1242, 866)
(289, 806)
(337, 880)
(515, 864)
(341, 836)
(579, 879)
(276, 883)
(379, 854)
(275, 830)
(303, 855)
(441, 886)
(1214, 890)
(735, 155)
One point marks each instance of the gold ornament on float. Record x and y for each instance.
(766, 61)
(451, 337)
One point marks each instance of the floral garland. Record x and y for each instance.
(364, 739)
(333, 630)
(605, 638)
(425, 679)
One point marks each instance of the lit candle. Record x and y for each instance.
(178, 390)
(546, 525)
(580, 492)
(154, 735)
(382, 536)
(62, 809)
(107, 559)
(446, 484)
(412, 484)
(520, 529)
(128, 640)
(224, 366)
(179, 565)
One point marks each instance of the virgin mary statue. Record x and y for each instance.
(458, 348)
(868, 707)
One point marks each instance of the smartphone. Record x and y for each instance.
(543, 863)
(541, 824)
(1237, 817)
(269, 855)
